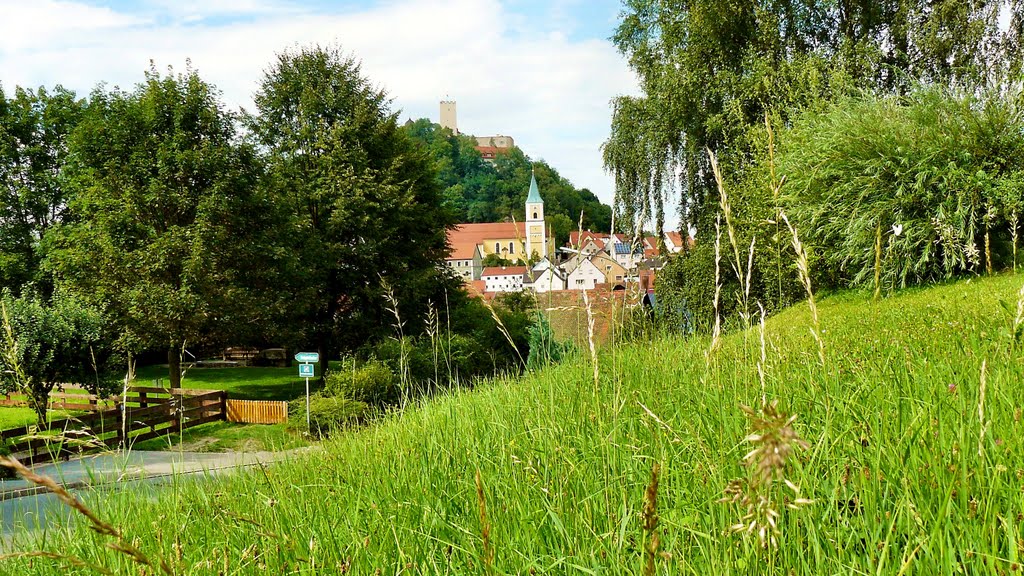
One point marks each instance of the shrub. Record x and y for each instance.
(936, 176)
(5, 472)
(544, 348)
(327, 414)
(372, 382)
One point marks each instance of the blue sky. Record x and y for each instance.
(543, 72)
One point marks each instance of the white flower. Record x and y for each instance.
(897, 229)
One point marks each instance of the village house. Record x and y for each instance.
(581, 273)
(614, 273)
(546, 278)
(504, 278)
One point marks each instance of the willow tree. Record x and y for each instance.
(711, 70)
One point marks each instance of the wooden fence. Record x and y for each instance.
(145, 413)
(257, 411)
(71, 398)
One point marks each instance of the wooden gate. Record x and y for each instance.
(257, 411)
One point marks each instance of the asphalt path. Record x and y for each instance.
(26, 509)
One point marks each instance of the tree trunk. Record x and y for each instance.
(323, 347)
(174, 366)
(325, 337)
(39, 398)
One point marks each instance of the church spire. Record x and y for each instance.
(534, 196)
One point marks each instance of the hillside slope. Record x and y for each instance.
(901, 477)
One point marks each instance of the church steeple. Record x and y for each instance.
(534, 196)
(536, 235)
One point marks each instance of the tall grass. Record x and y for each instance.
(897, 484)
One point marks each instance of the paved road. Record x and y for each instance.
(25, 508)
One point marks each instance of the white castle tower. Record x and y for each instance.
(536, 235)
(448, 116)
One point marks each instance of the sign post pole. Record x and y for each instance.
(306, 371)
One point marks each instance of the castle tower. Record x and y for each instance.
(448, 116)
(536, 235)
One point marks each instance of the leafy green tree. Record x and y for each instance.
(365, 200)
(169, 231)
(34, 129)
(44, 345)
(497, 260)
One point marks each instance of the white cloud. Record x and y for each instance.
(550, 93)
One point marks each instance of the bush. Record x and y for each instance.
(544, 348)
(936, 176)
(371, 382)
(327, 414)
(5, 472)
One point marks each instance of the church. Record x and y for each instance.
(528, 242)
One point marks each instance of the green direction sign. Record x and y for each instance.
(307, 357)
(306, 371)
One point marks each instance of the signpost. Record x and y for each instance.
(306, 360)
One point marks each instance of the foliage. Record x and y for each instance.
(544, 348)
(371, 382)
(710, 71)
(169, 232)
(935, 176)
(46, 344)
(5, 451)
(365, 201)
(327, 414)
(34, 129)
(497, 260)
(470, 340)
(478, 191)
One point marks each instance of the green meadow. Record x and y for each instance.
(906, 456)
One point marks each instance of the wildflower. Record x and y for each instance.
(897, 229)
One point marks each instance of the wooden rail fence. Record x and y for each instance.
(71, 398)
(145, 413)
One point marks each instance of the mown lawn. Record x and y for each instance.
(914, 464)
(245, 383)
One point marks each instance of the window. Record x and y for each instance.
(511, 248)
(579, 282)
(534, 214)
(497, 248)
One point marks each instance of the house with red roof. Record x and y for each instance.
(504, 278)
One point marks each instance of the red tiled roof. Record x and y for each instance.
(677, 239)
(476, 287)
(464, 238)
(489, 152)
(504, 271)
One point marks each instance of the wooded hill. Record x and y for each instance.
(481, 192)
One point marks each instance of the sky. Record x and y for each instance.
(543, 72)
